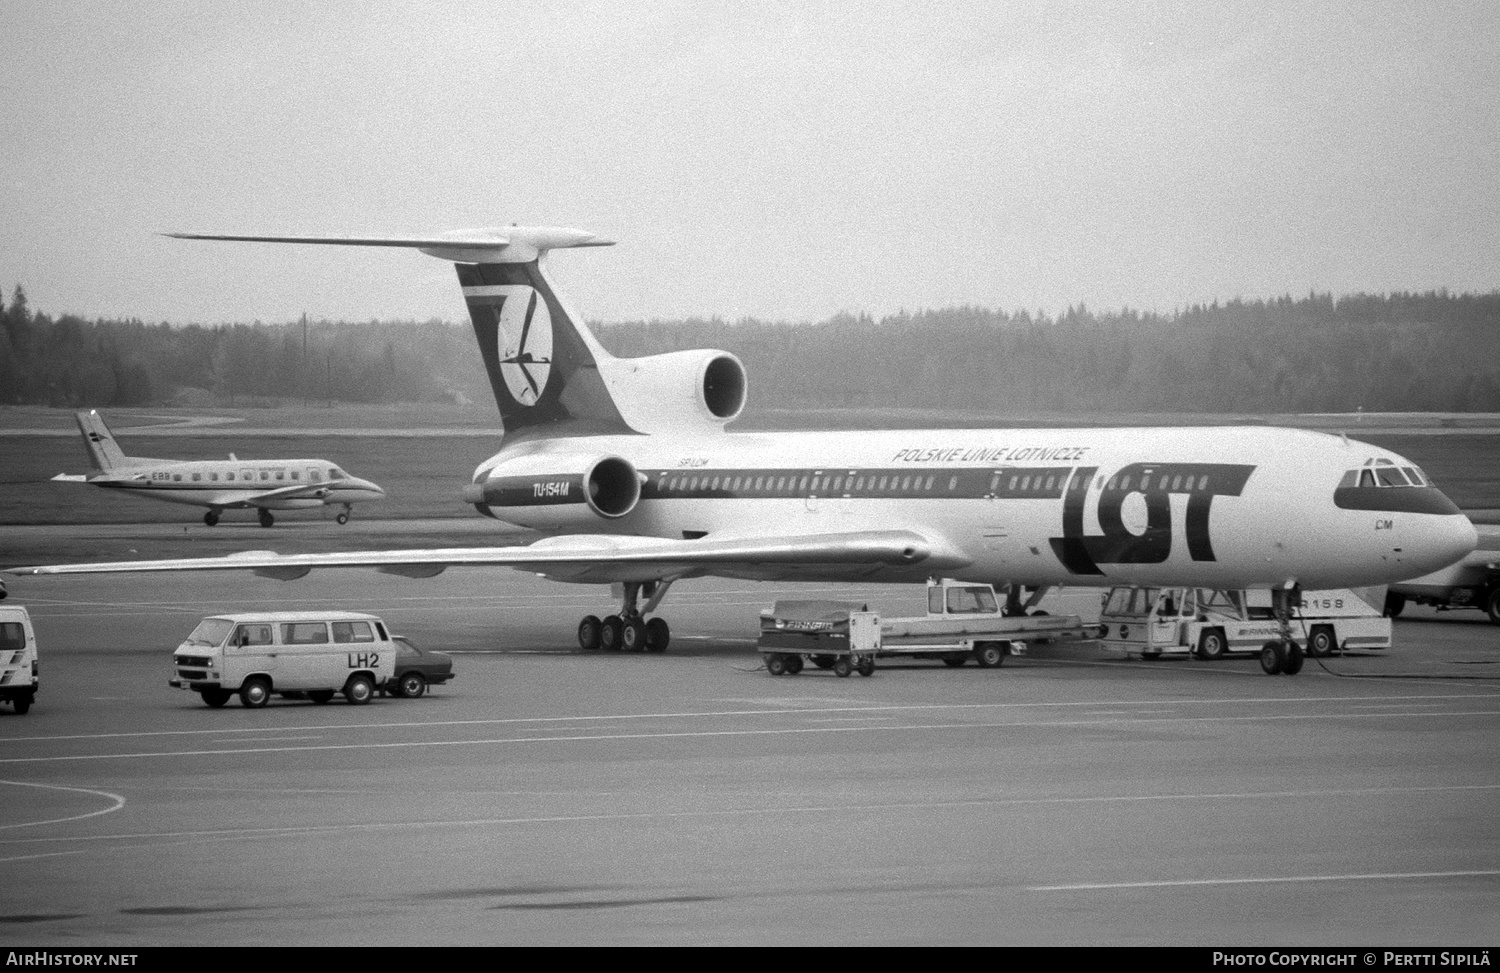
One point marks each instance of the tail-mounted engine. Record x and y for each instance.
(554, 490)
(677, 391)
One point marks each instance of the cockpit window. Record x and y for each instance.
(1389, 476)
(1366, 478)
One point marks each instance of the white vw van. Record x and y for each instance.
(18, 678)
(292, 654)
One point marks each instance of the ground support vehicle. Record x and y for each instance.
(1473, 582)
(18, 664)
(964, 621)
(297, 655)
(416, 669)
(1211, 623)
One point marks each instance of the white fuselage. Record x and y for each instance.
(228, 483)
(1225, 507)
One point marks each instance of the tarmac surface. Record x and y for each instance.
(549, 796)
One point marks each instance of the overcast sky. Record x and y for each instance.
(778, 160)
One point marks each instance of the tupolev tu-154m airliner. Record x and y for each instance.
(627, 465)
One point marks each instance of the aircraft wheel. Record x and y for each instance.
(342, 519)
(1272, 658)
(255, 693)
(611, 631)
(776, 664)
(989, 655)
(1293, 663)
(589, 630)
(842, 667)
(211, 518)
(658, 635)
(1492, 605)
(824, 661)
(1394, 603)
(633, 635)
(266, 519)
(1212, 645)
(793, 664)
(1322, 642)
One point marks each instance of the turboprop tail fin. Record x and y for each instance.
(104, 453)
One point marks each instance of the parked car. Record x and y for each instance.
(416, 669)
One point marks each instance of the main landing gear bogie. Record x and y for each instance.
(613, 633)
(630, 630)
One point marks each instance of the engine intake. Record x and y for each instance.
(681, 390)
(554, 490)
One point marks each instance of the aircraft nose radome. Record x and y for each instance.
(1446, 541)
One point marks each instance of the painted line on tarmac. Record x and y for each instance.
(709, 734)
(791, 710)
(1270, 880)
(759, 812)
(118, 800)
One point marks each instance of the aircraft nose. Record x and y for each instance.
(1444, 541)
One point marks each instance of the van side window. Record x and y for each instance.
(381, 629)
(352, 632)
(304, 633)
(252, 635)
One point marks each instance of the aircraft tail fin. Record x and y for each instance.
(544, 366)
(104, 453)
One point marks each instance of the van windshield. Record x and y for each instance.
(210, 631)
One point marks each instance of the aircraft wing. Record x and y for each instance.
(586, 558)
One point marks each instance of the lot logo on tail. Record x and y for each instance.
(524, 336)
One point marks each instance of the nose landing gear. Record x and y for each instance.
(211, 518)
(343, 518)
(1282, 655)
(265, 517)
(630, 630)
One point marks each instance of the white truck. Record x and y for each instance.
(964, 621)
(1210, 623)
(1473, 582)
(18, 669)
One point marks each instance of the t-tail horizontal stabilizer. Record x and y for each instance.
(489, 245)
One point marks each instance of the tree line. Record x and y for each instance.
(1431, 351)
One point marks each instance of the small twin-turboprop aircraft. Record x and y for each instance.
(626, 463)
(266, 484)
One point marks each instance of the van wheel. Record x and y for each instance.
(1492, 605)
(824, 661)
(359, 690)
(866, 667)
(1211, 645)
(22, 705)
(776, 664)
(256, 692)
(955, 659)
(413, 685)
(1322, 642)
(320, 696)
(215, 697)
(842, 667)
